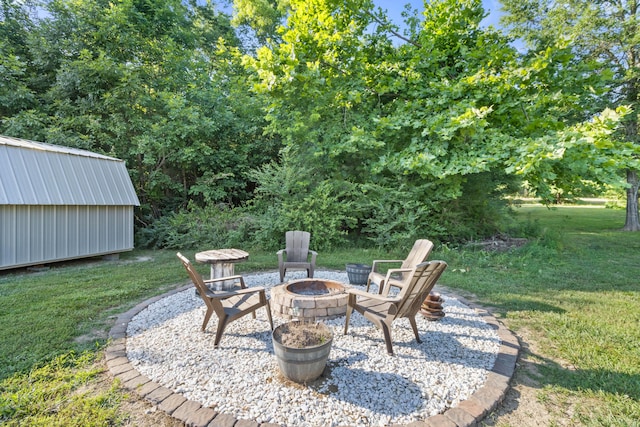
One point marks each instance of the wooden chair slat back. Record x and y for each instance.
(419, 253)
(195, 277)
(416, 290)
(297, 244)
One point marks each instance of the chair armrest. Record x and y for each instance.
(398, 270)
(366, 294)
(314, 254)
(280, 254)
(219, 279)
(393, 271)
(228, 294)
(381, 261)
(390, 281)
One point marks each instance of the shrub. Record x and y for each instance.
(212, 226)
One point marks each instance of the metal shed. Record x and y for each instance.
(59, 203)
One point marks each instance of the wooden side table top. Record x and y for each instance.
(221, 256)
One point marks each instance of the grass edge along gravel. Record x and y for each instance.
(574, 290)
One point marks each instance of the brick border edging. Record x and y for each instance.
(467, 414)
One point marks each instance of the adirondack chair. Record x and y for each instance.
(382, 310)
(296, 255)
(419, 253)
(227, 305)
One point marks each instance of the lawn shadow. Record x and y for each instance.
(535, 372)
(516, 304)
(595, 380)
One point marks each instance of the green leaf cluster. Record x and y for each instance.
(604, 35)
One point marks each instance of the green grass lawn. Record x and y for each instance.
(574, 292)
(577, 293)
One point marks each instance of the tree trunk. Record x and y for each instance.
(633, 90)
(632, 223)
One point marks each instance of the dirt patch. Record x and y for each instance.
(302, 334)
(135, 411)
(140, 413)
(521, 406)
(132, 410)
(526, 403)
(96, 334)
(498, 243)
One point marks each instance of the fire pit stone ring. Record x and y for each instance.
(309, 300)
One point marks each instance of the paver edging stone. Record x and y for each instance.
(483, 401)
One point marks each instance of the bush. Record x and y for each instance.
(325, 212)
(215, 226)
(337, 212)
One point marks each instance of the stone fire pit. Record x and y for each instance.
(314, 299)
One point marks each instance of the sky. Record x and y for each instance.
(395, 8)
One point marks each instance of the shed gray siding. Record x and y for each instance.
(58, 203)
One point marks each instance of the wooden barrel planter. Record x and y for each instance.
(302, 349)
(358, 273)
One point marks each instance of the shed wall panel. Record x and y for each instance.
(62, 228)
(22, 236)
(7, 180)
(33, 235)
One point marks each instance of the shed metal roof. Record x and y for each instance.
(35, 173)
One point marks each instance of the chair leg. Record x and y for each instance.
(222, 323)
(267, 307)
(387, 337)
(207, 316)
(346, 319)
(414, 326)
(282, 273)
(381, 287)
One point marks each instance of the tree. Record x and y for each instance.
(262, 16)
(17, 76)
(606, 32)
(156, 83)
(434, 131)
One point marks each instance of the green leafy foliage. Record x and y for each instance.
(216, 226)
(293, 199)
(337, 123)
(604, 35)
(158, 84)
(413, 125)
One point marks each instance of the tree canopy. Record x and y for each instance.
(317, 114)
(153, 83)
(432, 131)
(605, 34)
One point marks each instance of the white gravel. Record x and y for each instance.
(366, 387)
